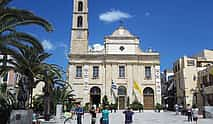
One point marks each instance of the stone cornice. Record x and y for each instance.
(114, 59)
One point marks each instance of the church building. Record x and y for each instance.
(121, 70)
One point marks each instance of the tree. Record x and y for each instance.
(7, 103)
(62, 94)
(11, 18)
(16, 43)
(50, 74)
(105, 101)
(29, 63)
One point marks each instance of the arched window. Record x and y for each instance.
(122, 91)
(80, 6)
(95, 91)
(148, 91)
(80, 21)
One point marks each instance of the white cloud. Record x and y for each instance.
(96, 47)
(47, 45)
(66, 52)
(114, 15)
(147, 13)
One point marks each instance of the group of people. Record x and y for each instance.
(192, 114)
(105, 115)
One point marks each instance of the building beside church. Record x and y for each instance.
(9, 78)
(186, 76)
(121, 64)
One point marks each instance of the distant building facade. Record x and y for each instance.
(9, 78)
(203, 95)
(168, 89)
(120, 64)
(186, 75)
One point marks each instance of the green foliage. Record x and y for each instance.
(113, 106)
(194, 106)
(158, 107)
(128, 101)
(26, 51)
(105, 101)
(61, 95)
(7, 103)
(38, 103)
(86, 107)
(136, 106)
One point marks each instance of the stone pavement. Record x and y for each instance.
(148, 117)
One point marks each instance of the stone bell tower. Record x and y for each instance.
(79, 38)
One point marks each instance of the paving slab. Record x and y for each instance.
(147, 117)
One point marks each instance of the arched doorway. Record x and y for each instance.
(122, 92)
(95, 96)
(148, 98)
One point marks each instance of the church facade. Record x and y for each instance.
(121, 70)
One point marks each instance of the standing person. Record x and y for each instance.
(189, 112)
(176, 109)
(128, 116)
(105, 115)
(195, 114)
(93, 113)
(79, 112)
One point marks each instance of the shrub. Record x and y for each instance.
(158, 107)
(86, 107)
(105, 101)
(136, 106)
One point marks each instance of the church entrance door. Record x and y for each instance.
(148, 98)
(95, 96)
(122, 93)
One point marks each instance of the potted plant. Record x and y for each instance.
(158, 107)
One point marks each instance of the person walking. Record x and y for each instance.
(93, 114)
(105, 115)
(79, 112)
(177, 109)
(128, 116)
(189, 112)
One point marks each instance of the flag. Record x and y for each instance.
(137, 87)
(211, 71)
(114, 86)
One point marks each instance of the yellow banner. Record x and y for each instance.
(211, 71)
(137, 87)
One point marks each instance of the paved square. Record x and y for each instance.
(148, 117)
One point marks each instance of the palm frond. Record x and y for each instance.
(3, 3)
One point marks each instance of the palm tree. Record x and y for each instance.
(50, 75)
(18, 44)
(7, 103)
(11, 18)
(63, 95)
(28, 62)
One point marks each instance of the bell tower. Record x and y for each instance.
(79, 38)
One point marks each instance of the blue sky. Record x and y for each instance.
(172, 27)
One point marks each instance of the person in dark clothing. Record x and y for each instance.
(79, 112)
(93, 113)
(189, 113)
(128, 116)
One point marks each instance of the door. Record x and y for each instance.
(122, 93)
(121, 102)
(148, 102)
(148, 98)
